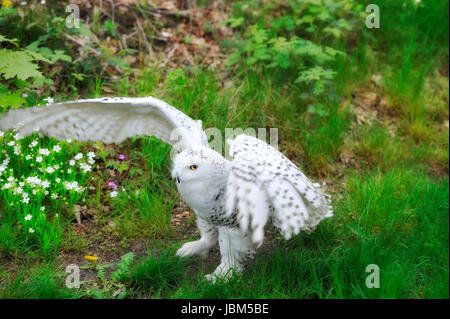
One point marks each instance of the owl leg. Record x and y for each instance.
(235, 248)
(208, 239)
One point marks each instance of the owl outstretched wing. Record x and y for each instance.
(264, 184)
(109, 120)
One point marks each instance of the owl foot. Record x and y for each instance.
(224, 271)
(198, 247)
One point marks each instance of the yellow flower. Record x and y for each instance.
(90, 258)
(6, 3)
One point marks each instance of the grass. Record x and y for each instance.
(388, 176)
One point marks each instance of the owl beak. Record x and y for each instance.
(178, 179)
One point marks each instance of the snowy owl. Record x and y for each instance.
(233, 200)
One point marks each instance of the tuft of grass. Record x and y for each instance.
(154, 275)
(41, 283)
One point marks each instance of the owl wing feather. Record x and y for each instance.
(263, 183)
(109, 120)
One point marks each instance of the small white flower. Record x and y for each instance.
(78, 156)
(19, 190)
(46, 193)
(49, 100)
(39, 159)
(12, 143)
(42, 208)
(91, 154)
(54, 196)
(34, 191)
(86, 168)
(44, 151)
(28, 217)
(69, 171)
(45, 184)
(2, 133)
(113, 194)
(91, 161)
(26, 200)
(71, 162)
(58, 180)
(21, 184)
(17, 150)
(31, 230)
(33, 144)
(7, 185)
(56, 148)
(50, 169)
(69, 140)
(28, 157)
(11, 179)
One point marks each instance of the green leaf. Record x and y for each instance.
(18, 63)
(5, 39)
(13, 100)
(59, 55)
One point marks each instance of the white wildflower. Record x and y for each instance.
(56, 148)
(86, 168)
(31, 230)
(50, 169)
(71, 162)
(78, 156)
(39, 159)
(49, 100)
(28, 217)
(45, 184)
(44, 151)
(113, 194)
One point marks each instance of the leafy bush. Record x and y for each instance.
(295, 42)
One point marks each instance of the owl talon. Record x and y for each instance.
(192, 248)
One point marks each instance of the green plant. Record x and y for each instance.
(37, 179)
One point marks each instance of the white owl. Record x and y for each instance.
(233, 200)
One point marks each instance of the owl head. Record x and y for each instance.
(198, 164)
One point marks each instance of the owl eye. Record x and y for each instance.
(193, 167)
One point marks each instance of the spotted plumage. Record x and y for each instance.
(233, 200)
